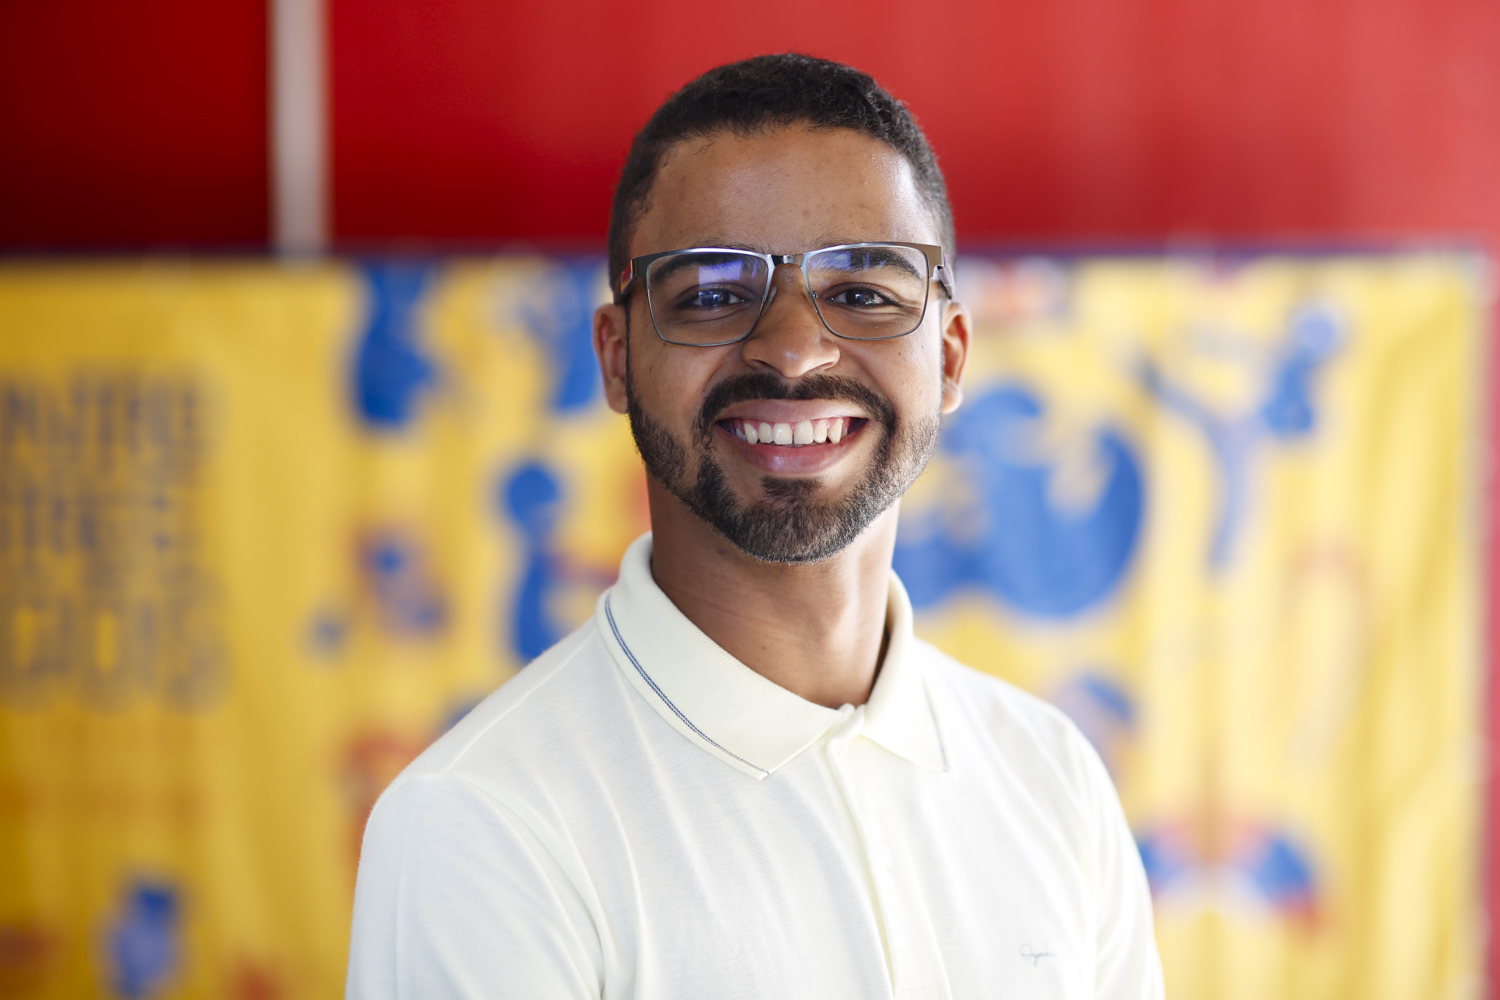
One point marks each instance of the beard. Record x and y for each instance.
(789, 524)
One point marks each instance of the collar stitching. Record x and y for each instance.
(936, 726)
(610, 616)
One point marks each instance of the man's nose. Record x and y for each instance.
(790, 336)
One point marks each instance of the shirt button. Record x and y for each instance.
(882, 855)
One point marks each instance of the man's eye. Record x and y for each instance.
(859, 298)
(713, 298)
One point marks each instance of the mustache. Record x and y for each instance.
(765, 385)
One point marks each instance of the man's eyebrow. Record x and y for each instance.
(873, 257)
(711, 244)
(822, 243)
(671, 265)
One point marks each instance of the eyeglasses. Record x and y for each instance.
(709, 297)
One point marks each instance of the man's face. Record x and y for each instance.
(872, 407)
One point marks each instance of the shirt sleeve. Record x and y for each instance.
(1126, 963)
(457, 898)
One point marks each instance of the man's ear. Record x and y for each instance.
(957, 330)
(610, 348)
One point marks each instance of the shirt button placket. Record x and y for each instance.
(876, 850)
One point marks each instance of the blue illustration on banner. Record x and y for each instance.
(399, 583)
(390, 369)
(1103, 710)
(143, 941)
(1012, 537)
(1236, 866)
(1284, 411)
(561, 318)
(531, 498)
(327, 631)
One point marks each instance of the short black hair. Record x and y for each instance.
(763, 93)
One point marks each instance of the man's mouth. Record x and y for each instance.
(796, 434)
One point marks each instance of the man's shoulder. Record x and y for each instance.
(991, 714)
(503, 730)
(988, 693)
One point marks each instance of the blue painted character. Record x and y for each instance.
(1265, 860)
(1167, 857)
(1104, 712)
(1285, 412)
(390, 370)
(1313, 336)
(143, 943)
(532, 499)
(1282, 873)
(1014, 540)
(408, 600)
(562, 321)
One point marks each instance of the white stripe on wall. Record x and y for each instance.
(300, 209)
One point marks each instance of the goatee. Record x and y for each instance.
(788, 524)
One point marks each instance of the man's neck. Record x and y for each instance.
(816, 629)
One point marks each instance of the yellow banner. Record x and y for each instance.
(266, 531)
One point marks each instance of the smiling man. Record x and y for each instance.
(745, 777)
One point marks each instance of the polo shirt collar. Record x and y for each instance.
(734, 713)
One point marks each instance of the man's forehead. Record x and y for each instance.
(782, 191)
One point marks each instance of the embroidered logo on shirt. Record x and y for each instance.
(1029, 955)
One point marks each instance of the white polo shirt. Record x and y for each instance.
(638, 814)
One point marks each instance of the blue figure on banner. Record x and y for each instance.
(561, 318)
(1014, 539)
(1284, 412)
(531, 498)
(327, 631)
(1104, 712)
(143, 943)
(1242, 861)
(390, 370)
(395, 574)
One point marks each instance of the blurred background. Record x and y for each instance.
(302, 450)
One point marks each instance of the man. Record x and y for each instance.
(744, 777)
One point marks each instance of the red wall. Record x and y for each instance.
(132, 124)
(1070, 118)
(142, 124)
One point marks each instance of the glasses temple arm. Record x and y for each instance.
(943, 273)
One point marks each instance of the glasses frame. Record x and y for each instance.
(938, 270)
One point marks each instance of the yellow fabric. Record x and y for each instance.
(264, 532)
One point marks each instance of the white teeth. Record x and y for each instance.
(802, 432)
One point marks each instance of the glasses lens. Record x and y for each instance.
(705, 298)
(870, 292)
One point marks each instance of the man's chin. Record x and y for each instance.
(776, 534)
(787, 493)
(787, 522)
